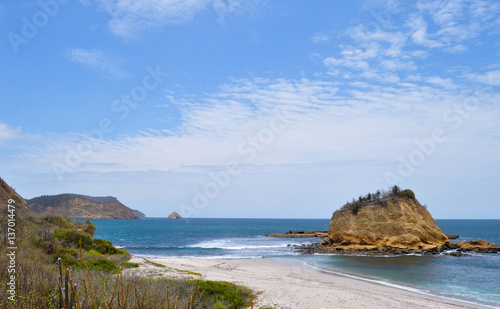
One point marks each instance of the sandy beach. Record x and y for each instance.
(285, 284)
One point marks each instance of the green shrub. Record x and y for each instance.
(106, 247)
(68, 257)
(67, 251)
(407, 193)
(73, 238)
(61, 222)
(129, 265)
(46, 241)
(102, 264)
(236, 296)
(88, 227)
(355, 207)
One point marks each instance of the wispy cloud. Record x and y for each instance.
(7, 133)
(491, 78)
(455, 22)
(388, 53)
(328, 124)
(320, 37)
(130, 18)
(96, 60)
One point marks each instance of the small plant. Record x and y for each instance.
(155, 264)
(129, 265)
(355, 207)
(189, 272)
(102, 264)
(68, 257)
(236, 296)
(407, 194)
(88, 228)
(395, 190)
(67, 291)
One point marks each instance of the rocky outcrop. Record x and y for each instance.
(174, 215)
(7, 193)
(390, 224)
(478, 246)
(81, 206)
(301, 234)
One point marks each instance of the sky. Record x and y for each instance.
(256, 109)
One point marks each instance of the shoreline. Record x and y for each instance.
(281, 283)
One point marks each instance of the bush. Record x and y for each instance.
(407, 193)
(236, 296)
(61, 222)
(68, 257)
(73, 239)
(129, 265)
(106, 247)
(88, 228)
(102, 264)
(355, 207)
(46, 241)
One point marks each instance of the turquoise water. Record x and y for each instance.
(474, 279)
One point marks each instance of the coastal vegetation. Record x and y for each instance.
(93, 269)
(394, 192)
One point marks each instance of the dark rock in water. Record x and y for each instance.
(452, 236)
(452, 245)
(480, 245)
(457, 253)
(301, 234)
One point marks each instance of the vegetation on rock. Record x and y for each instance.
(394, 192)
(383, 221)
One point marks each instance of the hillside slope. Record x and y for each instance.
(81, 206)
(6, 193)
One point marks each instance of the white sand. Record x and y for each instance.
(286, 284)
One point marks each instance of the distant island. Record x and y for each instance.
(82, 206)
(174, 215)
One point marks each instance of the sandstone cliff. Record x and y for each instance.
(81, 206)
(384, 224)
(6, 193)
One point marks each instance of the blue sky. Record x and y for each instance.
(232, 108)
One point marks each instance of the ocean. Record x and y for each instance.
(474, 279)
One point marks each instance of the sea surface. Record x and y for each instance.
(474, 279)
